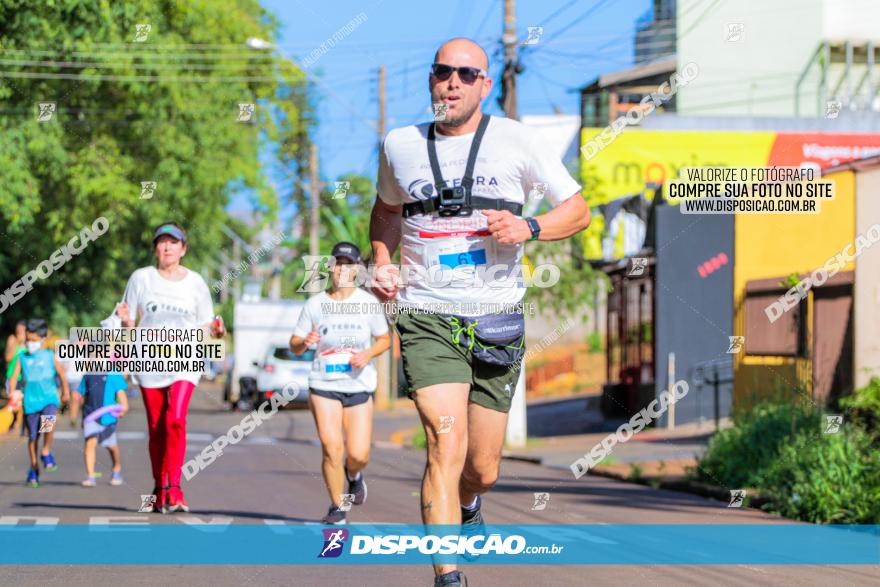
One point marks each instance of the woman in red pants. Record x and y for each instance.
(168, 296)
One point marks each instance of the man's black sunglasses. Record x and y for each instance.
(466, 74)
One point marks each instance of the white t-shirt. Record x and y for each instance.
(162, 303)
(346, 327)
(510, 162)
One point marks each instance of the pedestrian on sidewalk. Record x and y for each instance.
(348, 329)
(102, 392)
(460, 212)
(168, 296)
(39, 366)
(14, 347)
(74, 378)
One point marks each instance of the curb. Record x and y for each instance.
(523, 458)
(399, 437)
(685, 486)
(388, 444)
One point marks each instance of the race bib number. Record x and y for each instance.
(335, 366)
(457, 252)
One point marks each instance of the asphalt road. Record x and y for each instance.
(274, 474)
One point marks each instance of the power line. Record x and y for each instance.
(698, 20)
(557, 12)
(184, 56)
(590, 11)
(485, 19)
(104, 65)
(134, 78)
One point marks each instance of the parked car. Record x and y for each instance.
(281, 367)
(257, 326)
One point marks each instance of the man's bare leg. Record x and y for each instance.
(447, 441)
(486, 430)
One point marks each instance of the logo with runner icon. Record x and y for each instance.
(341, 190)
(541, 501)
(736, 498)
(345, 501)
(147, 502)
(47, 424)
(833, 422)
(334, 541)
(45, 111)
(147, 189)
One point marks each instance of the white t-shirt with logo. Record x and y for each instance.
(162, 303)
(346, 327)
(511, 164)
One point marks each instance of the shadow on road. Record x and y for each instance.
(73, 506)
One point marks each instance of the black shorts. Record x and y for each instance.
(348, 399)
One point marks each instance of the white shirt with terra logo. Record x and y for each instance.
(512, 163)
(162, 303)
(346, 327)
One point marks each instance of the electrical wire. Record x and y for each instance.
(485, 19)
(698, 20)
(134, 78)
(590, 11)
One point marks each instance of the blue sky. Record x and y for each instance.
(403, 35)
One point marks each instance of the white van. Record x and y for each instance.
(259, 328)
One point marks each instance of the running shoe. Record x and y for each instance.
(472, 520)
(33, 478)
(174, 501)
(358, 488)
(89, 482)
(472, 524)
(450, 579)
(157, 506)
(335, 516)
(116, 478)
(49, 463)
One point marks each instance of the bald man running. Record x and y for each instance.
(458, 212)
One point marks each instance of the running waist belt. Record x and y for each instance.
(467, 181)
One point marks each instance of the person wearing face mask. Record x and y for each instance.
(168, 295)
(38, 365)
(348, 329)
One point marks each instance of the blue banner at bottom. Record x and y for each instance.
(199, 543)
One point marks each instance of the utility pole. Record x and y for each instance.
(275, 284)
(236, 257)
(386, 364)
(511, 61)
(315, 193)
(380, 127)
(516, 419)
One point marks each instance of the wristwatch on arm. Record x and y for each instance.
(534, 227)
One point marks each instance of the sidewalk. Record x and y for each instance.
(651, 452)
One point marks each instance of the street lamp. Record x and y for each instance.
(259, 44)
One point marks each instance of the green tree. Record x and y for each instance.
(163, 109)
(343, 218)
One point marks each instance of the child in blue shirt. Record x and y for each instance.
(98, 391)
(39, 366)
